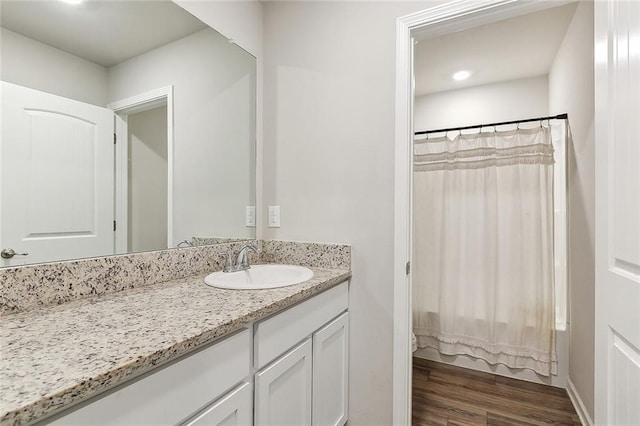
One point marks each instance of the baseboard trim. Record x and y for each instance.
(585, 419)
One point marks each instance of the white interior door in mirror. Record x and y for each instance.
(57, 188)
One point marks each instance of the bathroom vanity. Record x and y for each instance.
(291, 366)
(182, 352)
(100, 336)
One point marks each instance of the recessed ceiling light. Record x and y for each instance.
(461, 75)
(71, 1)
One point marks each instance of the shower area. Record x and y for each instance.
(489, 208)
(494, 159)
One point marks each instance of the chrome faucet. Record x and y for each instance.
(242, 260)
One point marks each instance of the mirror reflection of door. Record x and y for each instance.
(147, 180)
(57, 189)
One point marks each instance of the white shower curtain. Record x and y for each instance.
(483, 247)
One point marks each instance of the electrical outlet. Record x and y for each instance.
(250, 216)
(274, 217)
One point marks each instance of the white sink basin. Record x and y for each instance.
(260, 277)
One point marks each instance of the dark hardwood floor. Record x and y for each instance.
(448, 395)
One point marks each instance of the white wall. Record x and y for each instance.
(147, 195)
(214, 99)
(503, 101)
(329, 161)
(32, 64)
(571, 90)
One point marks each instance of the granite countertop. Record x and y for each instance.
(53, 357)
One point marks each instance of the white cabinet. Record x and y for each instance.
(309, 384)
(298, 376)
(283, 389)
(233, 409)
(330, 373)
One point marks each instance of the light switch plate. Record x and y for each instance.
(274, 217)
(250, 216)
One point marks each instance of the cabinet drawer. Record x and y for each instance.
(235, 408)
(173, 393)
(277, 334)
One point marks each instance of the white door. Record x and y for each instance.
(57, 184)
(331, 373)
(617, 321)
(234, 409)
(283, 389)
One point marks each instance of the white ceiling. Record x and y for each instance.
(103, 32)
(516, 48)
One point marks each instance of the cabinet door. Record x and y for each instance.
(283, 389)
(233, 409)
(330, 373)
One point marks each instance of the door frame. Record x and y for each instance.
(447, 18)
(122, 109)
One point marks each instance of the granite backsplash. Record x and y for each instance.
(30, 287)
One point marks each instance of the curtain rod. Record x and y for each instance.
(564, 116)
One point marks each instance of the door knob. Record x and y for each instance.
(9, 253)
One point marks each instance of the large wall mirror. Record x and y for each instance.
(126, 126)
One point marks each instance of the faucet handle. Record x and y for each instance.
(243, 260)
(228, 263)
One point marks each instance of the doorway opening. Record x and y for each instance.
(144, 171)
(433, 23)
(147, 179)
